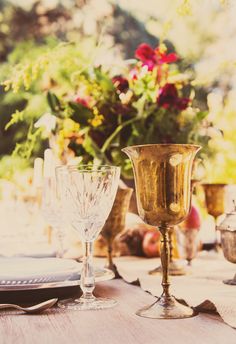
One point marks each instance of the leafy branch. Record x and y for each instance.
(16, 117)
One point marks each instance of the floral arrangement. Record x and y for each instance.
(150, 101)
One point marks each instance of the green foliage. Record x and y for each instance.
(16, 117)
(25, 149)
(10, 164)
(96, 113)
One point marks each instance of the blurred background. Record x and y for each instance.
(202, 33)
(107, 33)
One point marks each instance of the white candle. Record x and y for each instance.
(49, 164)
(38, 173)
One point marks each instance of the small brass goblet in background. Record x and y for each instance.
(175, 269)
(188, 235)
(115, 223)
(189, 244)
(163, 189)
(215, 203)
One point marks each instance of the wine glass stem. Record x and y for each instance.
(60, 237)
(165, 259)
(87, 277)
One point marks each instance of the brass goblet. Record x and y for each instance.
(214, 197)
(162, 179)
(115, 223)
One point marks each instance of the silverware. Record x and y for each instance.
(40, 307)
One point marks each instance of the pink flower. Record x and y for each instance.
(168, 98)
(133, 74)
(120, 83)
(82, 101)
(152, 57)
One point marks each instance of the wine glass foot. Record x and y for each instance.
(82, 304)
(230, 281)
(166, 308)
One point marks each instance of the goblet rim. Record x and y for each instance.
(164, 145)
(91, 168)
(214, 184)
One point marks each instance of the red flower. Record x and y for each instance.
(182, 103)
(82, 101)
(152, 57)
(168, 98)
(147, 55)
(120, 83)
(167, 58)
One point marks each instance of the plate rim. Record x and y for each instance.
(106, 276)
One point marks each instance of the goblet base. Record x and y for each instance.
(217, 247)
(175, 269)
(166, 308)
(230, 281)
(82, 304)
(113, 268)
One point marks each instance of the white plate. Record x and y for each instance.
(41, 273)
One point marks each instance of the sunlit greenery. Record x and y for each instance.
(197, 30)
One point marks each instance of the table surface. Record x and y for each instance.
(117, 325)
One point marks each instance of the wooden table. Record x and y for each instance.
(118, 325)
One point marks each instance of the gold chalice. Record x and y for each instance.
(115, 223)
(162, 179)
(215, 203)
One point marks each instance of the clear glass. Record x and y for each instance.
(52, 212)
(89, 193)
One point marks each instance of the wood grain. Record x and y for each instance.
(119, 325)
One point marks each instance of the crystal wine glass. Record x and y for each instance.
(51, 209)
(91, 193)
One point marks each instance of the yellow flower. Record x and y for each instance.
(162, 48)
(185, 8)
(60, 142)
(98, 118)
(96, 121)
(70, 126)
(6, 84)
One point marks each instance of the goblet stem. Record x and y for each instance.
(170, 233)
(165, 259)
(109, 250)
(87, 274)
(189, 262)
(216, 244)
